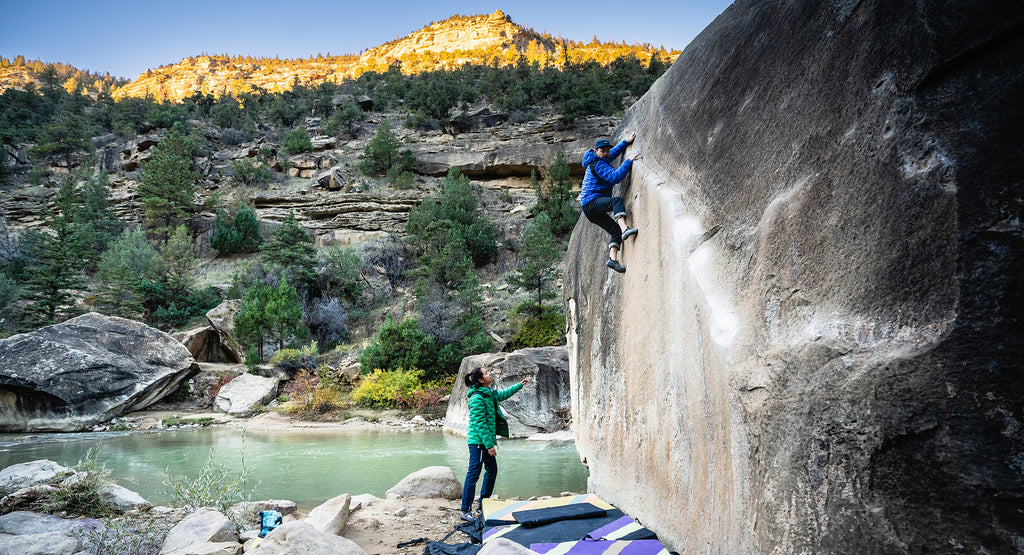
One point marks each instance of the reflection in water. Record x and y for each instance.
(305, 468)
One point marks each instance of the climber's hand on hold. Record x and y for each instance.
(634, 156)
(632, 136)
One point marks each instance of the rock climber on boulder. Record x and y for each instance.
(596, 195)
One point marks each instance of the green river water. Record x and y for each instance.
(305, 468)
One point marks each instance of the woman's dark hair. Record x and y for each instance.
(474, 377)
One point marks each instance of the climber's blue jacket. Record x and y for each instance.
(601, 176)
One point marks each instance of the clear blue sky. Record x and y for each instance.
(127, 38)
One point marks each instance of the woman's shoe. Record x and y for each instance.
(630, 231)
(615, 265)
(466, 516)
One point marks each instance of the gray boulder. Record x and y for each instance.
(202, 526)
(86, 371)
(20, 523)
(204, 342)
(331, 516)
(541, 406)
(241, 394)
(45, 543)
(222, 320)
(29, 474)
(121, 500)
(302, 538)
(816, 345)
(430, 482)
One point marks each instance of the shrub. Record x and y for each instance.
(383, 388)
(427, 398)
(179, 421)
(544, 331)
(80, 495)
(215, 486)
(312, 394)
(397, 346)
(294, 360)
(246, 171)
(297, 141)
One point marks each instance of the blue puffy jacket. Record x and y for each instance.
(601, 177)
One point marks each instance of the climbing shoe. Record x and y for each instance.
(630, 231)
(615, 265)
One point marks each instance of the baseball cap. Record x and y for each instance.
(601, 143)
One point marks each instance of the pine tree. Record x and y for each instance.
(536, 271)
(292, 248)
(168, 185)
(381, 153)
(129, 261)
(53, 276)
(557, 199)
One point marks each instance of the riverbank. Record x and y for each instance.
(379, 526)
(273, 421)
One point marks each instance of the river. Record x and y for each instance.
(307, 468)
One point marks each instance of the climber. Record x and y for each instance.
(596, 195)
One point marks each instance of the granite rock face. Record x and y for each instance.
(86, 371)
(815, 347)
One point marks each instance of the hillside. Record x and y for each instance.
(448, 44)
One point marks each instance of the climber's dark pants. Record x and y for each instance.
(597, 212)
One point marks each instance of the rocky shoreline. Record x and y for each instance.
(423, 506)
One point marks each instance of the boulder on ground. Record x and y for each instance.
(302, 538)
(331, 516)
(86, 371)
(202, 526)
(222, 319)
(46, 543)
(121, 500)
(28, 474)
(433, 481)
(20, 523)
(541, 406)
(241, 394)
(205, 344)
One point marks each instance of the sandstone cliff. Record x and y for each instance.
(815, 347)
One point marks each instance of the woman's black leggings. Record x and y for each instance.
(597, 212)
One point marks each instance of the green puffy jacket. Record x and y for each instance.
(484, 413)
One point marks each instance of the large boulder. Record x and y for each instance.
(204, 342)
(222, 320)
(86, 371)
(19, 523)
(430, 482)
(331, 516)
(541, 406)
(241, 394)
(30, 474)
(302, 538)
(202, 526)
(816, 345)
